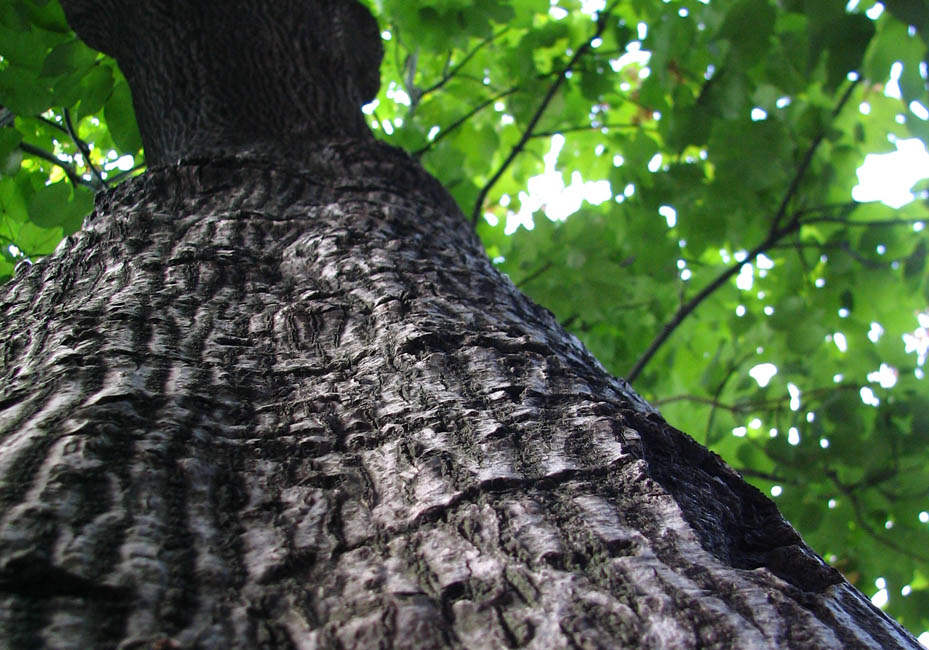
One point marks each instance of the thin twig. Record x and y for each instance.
(602, 20)
(846, 206)
(83, 148)
(443, 132)
(463, 119)
(51, 123)
(859, 517)
(774, 478)
(711, 418)
(589, 127)
(846, 248)
(532, 276)
(449, 75)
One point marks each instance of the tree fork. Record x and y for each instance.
(274, 395)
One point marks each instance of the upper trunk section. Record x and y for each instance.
(212, 77)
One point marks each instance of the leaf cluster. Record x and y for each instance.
(65, 112)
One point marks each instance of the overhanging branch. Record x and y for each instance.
(775, 234)
(66, 167)
(602, 20)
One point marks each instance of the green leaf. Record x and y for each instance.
(9, 142)
(22, 91)
(98, 84)
(25, 47)
(81, 204)
(748, 26)
(46, 15)
(915, 265)
(70, 56)
(36, 241)
(49, 206)
(12, 203)
(750, 155)
(847, 41)
(892, 43)
(121, 119)
(910, 12)
(805, 338)
(13, 17)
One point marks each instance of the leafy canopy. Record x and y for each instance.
(729, 133)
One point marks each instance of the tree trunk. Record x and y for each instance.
(281, 399)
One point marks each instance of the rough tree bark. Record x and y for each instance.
(275, 396)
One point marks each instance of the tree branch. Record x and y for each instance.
(462, 120)
(688, 307)
(549, 96)
(776, 232)
(807, 160)
(845, 247)
(66, 167)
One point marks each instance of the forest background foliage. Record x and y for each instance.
(717, 143)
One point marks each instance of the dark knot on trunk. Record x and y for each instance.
(211, 77)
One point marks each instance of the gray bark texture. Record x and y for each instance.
(275, 396)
